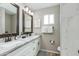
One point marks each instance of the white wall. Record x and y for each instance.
(69, 26)
(13, 23)
(2, 20)
(8, 23)
(47, 37)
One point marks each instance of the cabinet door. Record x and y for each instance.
(23, 51)
(29, 49)
(37, 46)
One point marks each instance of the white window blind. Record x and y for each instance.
(49, 19)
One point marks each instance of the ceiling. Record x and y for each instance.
(37, 6)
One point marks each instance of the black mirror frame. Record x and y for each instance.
(17, 27)
(23, 22)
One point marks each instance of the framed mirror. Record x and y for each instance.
(9, 19)
(27, 23)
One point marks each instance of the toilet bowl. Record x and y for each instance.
(58, 48)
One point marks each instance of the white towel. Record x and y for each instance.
(47, 29)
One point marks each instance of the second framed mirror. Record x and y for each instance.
(27, 23)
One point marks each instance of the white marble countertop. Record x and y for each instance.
(8, 47)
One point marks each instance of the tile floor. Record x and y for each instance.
(42, 53)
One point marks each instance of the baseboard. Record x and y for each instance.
(49, 51)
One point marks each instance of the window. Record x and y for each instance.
(49, 19)
(46, 19)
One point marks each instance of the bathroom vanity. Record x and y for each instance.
(21, 47)
(13, 45)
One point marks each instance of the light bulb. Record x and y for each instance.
(26, 9)
(29, 11)
(32, 13)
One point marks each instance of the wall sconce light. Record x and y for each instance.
(29, 11)
(32, 13)
(26, 9)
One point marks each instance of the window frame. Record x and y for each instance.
(49, 19)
